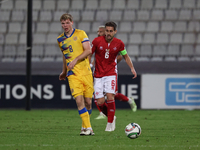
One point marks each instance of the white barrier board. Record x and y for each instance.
(168, 91)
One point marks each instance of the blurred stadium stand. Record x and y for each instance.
(157, 33)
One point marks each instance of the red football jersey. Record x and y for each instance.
(105, 56)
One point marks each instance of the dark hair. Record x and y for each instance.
(111, 24)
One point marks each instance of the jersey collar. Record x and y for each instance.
(70, 35)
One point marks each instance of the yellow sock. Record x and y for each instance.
(85, 118)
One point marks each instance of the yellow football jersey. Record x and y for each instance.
(72, 47)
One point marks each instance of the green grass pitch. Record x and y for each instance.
(59, 130)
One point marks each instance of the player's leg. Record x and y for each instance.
(101, 114)
(110, 90)
(130, 100)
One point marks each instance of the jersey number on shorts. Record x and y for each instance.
(113, 84)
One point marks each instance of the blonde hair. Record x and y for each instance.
(66, 17)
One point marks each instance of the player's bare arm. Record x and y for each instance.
(119, 58)
(130, 64)
(62, 76)
(87, 51)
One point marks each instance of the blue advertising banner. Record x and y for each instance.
(48, 92)
(183, 91)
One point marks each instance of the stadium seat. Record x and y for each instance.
(42, 27)
(49, 4)
(197, 50)
(176, 38)
(9, 51)
(95, 26)
(55, 27)
(133, 4)
(187, 50)
(45, 15)
(24, 27)
(1, 39)
(34, 15)
(189, 4)
(21, 50)
(157, 15)
(159, 50)
(63, 5)
(11, 38)
(146, 50)
(166, 26)
(116, 15)
(105, 4)
(77, 4)
(183, 58)
(37, 5)
(57, 15)
(52, 38)
(198, 4)
(173, 50)
(21, 5)
(152, 26)
(133, 50)
(3, 27)
(189, 38)
(14, 27)
(37, 51)
(135, 38)
(123, 37)
(146, 4)
(156, 58)
(175, 4)
(170, 58)
(84, 26)
(118, 4)
(52, 51)
(7, 5)
(75, 14)
(88, 15)
(18, 15)
(8, 59)
(185, 14)
(22, 38)
(91, 4)
(129, 15)
(149, 38)
(59, 59)
(39, 38)
(1, 51)
(193, 26)
(196, 14)
(143, 59)
(92, 36)
(171, 15)
(139, 26)
(20, 59)
(161, 4)
(162, 38)
(125, 27)
(5, 15)
(143, 15)
(180, 26)
(101, 15)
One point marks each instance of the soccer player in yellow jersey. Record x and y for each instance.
(75, 46)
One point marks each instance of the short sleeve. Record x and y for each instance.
(94, 45)
(84, 37)
(122, 46)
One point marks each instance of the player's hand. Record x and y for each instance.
(62, 76)
(72, 64)
(134, 73)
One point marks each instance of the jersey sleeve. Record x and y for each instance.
(84, 37)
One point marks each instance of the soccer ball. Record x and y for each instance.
(133, 130)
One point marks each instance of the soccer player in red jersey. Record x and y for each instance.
(106, 49)
(118, 96)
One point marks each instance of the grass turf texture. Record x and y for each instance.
(59, 130)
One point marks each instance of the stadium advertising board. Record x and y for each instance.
(48, 92)
(170, 91)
